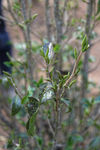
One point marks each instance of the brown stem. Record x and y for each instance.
(28, 41)
(86, 57)
(15, 87)
(48, 19)
(74, 69)
(58, 22)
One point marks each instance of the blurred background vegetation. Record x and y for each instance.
(51, 100)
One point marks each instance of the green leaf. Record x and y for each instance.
(16, 6)
(84, 41)
(40, 82)
(74, 139)
(32, 105)
(63, 79)
(24, 99)
(42, 53)
(77, 71)
(22, 26)
(31, 90)
(85, 45)
(30, 125)
(16, 105)
(72, 82)
(31, 19)
(51, 73)
(42, 89)
(60, 76)
(34, 16)
(80, 64)
(48, 93)
(47, 52)
(39, 139)
(10, 144)
(66, 76)
(57, 48)
(73, 21)
(85, 48)
(7, 74)
(9, 81)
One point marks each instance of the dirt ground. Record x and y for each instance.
(39, 27)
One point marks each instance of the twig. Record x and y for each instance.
(74, 69)
(59, 23)
(37, 35)
(58, 20)
(25, 79)
(64, 7)
(86, 57)
(11, 12)
(15, 87)
(6, 19)
(50, 126)
(48, 19)
(28, 41)
(26, 34)
(68, 41)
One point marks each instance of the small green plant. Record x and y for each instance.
(48, 100)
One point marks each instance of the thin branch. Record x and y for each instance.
(48, 19)
(50, 126)
(37, 35)
(12, 13)
(28, 40)
(64, 7)
(15, 87)
(86, 56)
(59, 23)
(7, 19)
(58, 20)
(68, 41)
(74, 69)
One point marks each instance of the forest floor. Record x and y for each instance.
(39, 27)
